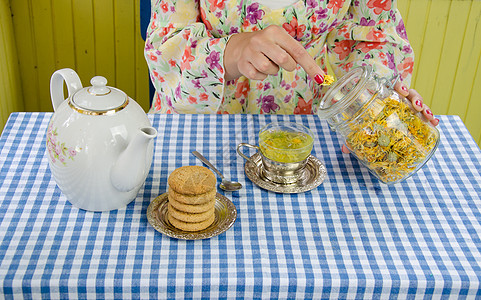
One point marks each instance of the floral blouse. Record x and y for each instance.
(186, 41)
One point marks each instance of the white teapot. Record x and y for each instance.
(99, 143)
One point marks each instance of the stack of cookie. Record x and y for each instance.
(191, 198)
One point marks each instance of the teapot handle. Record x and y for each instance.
(56, 85)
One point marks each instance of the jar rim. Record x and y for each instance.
(335, 101)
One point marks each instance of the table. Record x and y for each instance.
(352, 237)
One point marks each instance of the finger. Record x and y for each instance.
(345, 150)
(401, 88)
(263, 64)
(249, 71)
(300, 55)
(416, 99)
(280, 57)
(428, 113)
(418, 104)
(266, 54)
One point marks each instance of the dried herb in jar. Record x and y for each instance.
(390, 139)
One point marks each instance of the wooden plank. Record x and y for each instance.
(22, 16)
(403, 7)
(43, 39)
(448, 64)
(427, 60)
(12, 101)
(4, 93)
(142, 79)
(83, 24)
(470, 65)
(5, 87)
(417, 18)
(473, 120)
(124, 50)
(105, 40)
(466, 68)
(63, 34)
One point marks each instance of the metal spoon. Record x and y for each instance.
(226, 185)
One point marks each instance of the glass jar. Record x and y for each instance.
(379, 126)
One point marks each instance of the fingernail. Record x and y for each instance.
(404, 88)
(429, 112)
(319, 78)
(435, 121)
(419, 103)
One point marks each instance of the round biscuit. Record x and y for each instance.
(191, 208)
(192, 199)
(190, 226)
(192, 180)
(189, 217)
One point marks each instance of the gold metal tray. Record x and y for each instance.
(225, 216)
(315, 173)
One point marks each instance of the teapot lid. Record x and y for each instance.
(99, 98)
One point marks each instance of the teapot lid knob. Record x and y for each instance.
(99, 86)
(99, 99)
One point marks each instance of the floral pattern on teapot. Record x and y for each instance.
(57, 150)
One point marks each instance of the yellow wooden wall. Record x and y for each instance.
(102, 37)
(10, 91)
(93, 37)
(446, 37)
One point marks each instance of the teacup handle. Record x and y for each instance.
(248, 146)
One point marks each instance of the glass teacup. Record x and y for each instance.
(284, 149)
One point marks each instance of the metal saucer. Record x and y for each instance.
(225, 216)
(315, 173)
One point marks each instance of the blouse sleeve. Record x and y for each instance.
(372, 33)
(185, 59)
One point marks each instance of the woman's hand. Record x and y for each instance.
(258, 54)
(417, 101)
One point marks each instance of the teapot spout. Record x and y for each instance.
(133, 164)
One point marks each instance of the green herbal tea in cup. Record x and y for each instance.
(285, 146)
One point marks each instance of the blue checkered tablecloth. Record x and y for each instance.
(352, 237)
